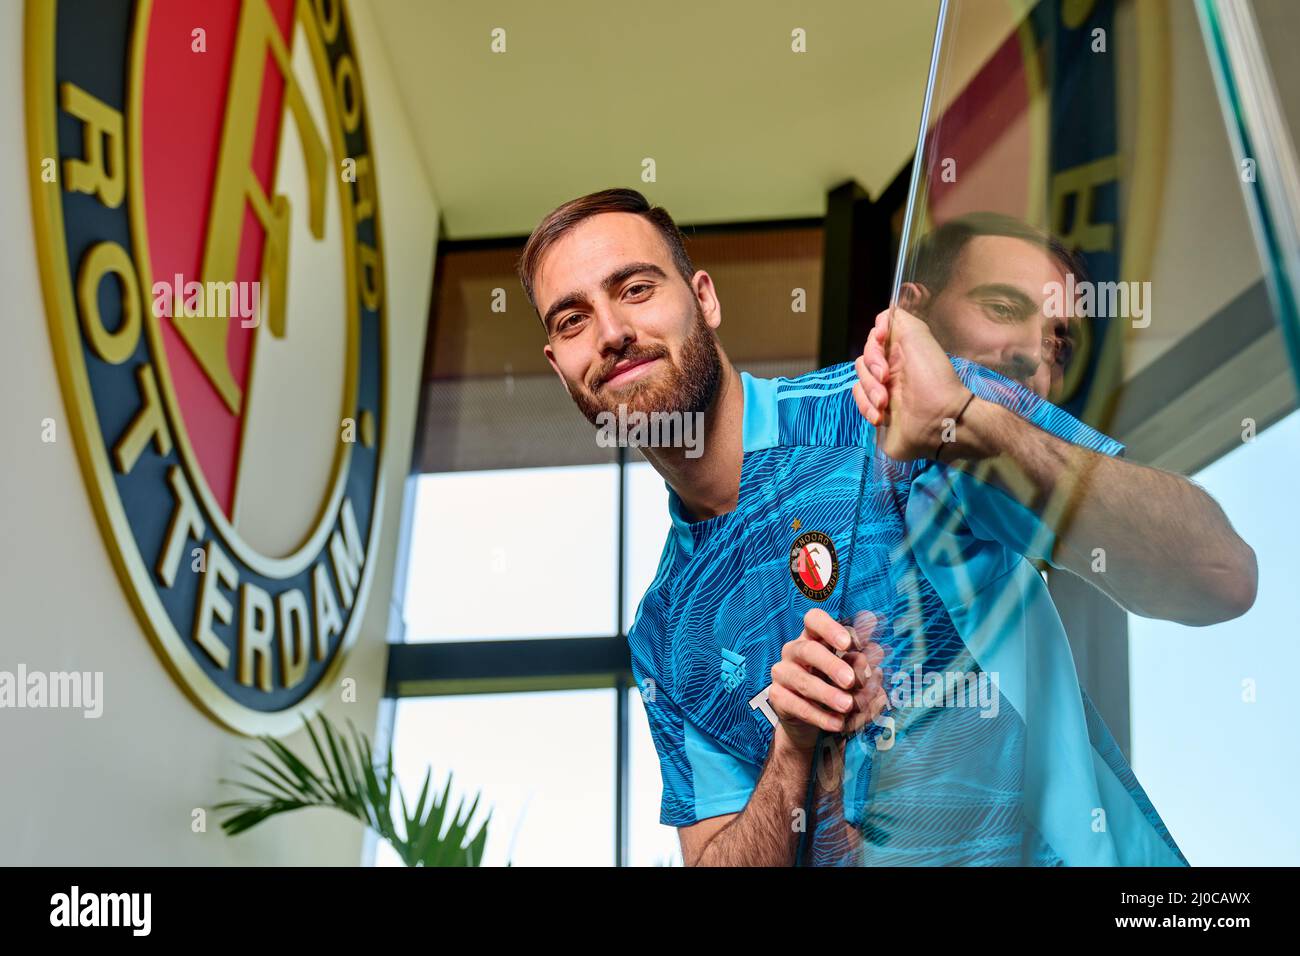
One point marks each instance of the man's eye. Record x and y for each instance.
(1001, 310)
(640, 285)
(1062, 351)
(567, 322)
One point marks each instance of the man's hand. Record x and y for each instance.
(906, 382)
(826, 679)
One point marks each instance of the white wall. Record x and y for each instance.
(121, 789)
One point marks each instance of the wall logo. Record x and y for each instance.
(234, 465)
(814, 565)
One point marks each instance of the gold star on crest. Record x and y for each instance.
(796, 525)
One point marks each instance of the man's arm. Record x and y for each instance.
(824, 681)
(833, 840)
(761, 834)
(1170, 551)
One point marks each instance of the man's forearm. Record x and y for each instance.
(834, 841)
(1170, 552)
(763, 834)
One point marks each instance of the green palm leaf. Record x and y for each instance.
(350, 781)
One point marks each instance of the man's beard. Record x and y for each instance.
(688, 387)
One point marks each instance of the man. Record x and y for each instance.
(761, 516)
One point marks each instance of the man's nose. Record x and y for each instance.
(1044, 381)
(1022, 365)
(1034, 368)
(613, 331)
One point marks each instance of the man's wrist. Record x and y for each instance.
(976, 435)
(785, 746)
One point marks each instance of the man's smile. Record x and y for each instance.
(628, 371)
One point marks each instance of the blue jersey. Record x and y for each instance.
(990, 753)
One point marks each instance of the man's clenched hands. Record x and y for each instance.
(827, 679)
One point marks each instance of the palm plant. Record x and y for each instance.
(352, 783)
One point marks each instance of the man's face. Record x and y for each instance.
(992, 312)
(622, 325)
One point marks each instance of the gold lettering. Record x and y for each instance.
(102, 169)
(103, 258)
(327, 11)
(1075, 13)
(1082, 182)
(329, 623)
(255, 625)
(346, 553)
(292, 609)
(186, 523)
(149, 422)
(371, 274)
(217, 570)
(348, 93)
(366, 201)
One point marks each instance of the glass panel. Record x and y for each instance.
(543, 764)
(1230, 682)
(529, 552)
(1076, 240)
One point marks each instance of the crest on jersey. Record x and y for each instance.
(207, 225)
(814, 565)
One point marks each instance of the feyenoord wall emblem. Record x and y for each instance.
(814, 565)
(207, 222)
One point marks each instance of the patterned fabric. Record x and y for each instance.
(1004, 761)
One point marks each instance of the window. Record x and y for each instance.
(521, 552)
(533, 553)
(647, 526)
(1213, 708)
(650, 842)
(542, 763)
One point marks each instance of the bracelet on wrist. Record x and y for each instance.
(956, 421)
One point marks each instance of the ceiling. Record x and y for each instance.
(740, 127)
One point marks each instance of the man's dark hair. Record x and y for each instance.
(935, 255)
(565, 217)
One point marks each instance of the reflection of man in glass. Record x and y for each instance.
(978, 287)
(1020, 478)
(979, 284)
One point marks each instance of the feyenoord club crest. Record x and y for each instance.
(814, 565)
(207, 221)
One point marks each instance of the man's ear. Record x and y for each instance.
(914, 297)
(550, 357)
(706, 296)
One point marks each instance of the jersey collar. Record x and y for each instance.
(760, 429)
